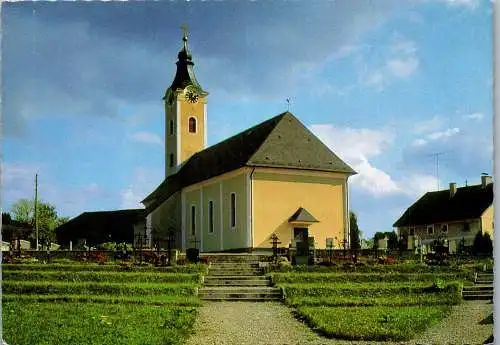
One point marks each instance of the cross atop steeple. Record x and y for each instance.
(184, 28)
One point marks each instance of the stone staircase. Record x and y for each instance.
(237, 278)
(482, 288)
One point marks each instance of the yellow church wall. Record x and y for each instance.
(487, 220)
(167, 215)
(212, 240)
(191, 142)
(170, 139)
(278, 193)
(216, 189)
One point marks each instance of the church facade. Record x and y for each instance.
(276, 177)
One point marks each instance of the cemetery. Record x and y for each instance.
(134, 297)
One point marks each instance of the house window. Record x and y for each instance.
(172, 131)
(466, 226)
(430, 230)
(412, 231)
(211, 216)
(193, 220)
(233, 210)
(444, 228)
(171, 160)
(192, 125)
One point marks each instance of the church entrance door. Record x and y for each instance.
(301, 236)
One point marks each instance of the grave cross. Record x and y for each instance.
(275, 241)
(195, 241)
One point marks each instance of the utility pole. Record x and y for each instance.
(36, 209)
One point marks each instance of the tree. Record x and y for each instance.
(354, 231)
(392, 239)
(48, 220)
(482, 244)
(23, 210)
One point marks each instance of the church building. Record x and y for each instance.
(276, 177)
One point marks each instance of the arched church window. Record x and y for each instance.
(172, 131)
(171, 160)
(192, 125)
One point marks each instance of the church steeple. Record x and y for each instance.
(185, 76)
(185, 113)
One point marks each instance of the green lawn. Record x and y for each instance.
(29, 323)
(371, 306)
(91, 304)
(372, 323)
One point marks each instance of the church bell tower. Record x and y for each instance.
(185, 113)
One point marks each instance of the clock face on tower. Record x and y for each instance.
(191, 96)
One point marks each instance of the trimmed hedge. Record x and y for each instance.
(376, 268)
(109, 299)
(363, 289)
(89, 276)
(429, 299)
(192, 268)
(85, 288)
(364, 277)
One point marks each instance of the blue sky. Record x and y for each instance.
(385, 84)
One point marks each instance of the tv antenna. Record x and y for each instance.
(437, 154)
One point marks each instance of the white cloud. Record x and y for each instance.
(374, 180)
(401, 61)
(474, 116)
(92, 188)
(403, 68)
(416, 185)
(466, 3)
(129, 199)
(419, 142)
(355, 146)
(376, 79)
(434, 136)
(404, 47)
(443, 134)
(430, 125)
(147, 138)
(144, 180)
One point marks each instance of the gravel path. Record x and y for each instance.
(461, 327)
(271, 323)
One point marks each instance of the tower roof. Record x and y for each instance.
(280, 142)
(184, 75)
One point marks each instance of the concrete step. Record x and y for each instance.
(242, 298)
(239, 293)
(484, 282)
(260, 277)
(229, 265)
(247, 282)
(478, 297)
(477, 292)
(223, 257)
(234, 272)
(478, 287)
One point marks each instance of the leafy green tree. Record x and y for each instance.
(482, 244)
(488, 244)
(48, 220)
(354, 230)
(23, 210)
(392, 239)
